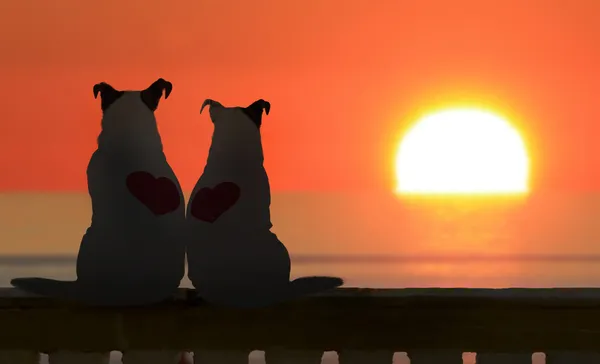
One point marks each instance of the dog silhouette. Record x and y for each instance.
(133, 253)
(233, 257)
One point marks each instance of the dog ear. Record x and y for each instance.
(210, 103)
(255, 111)
(151, 96)
(108, 94)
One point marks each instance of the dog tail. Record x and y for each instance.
(314, 284)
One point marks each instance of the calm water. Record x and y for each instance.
(388, 271)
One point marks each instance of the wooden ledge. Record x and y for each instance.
(477, 320)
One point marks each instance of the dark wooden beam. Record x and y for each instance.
(511, 320)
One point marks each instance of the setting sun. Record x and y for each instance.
(462, 151)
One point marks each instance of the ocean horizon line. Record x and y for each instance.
(25, 259)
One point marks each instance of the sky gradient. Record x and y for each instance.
(344, 80)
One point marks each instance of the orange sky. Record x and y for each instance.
(344, 78)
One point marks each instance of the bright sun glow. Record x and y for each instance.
(462, 151)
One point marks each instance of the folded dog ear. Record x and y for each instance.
(255, 111)
(151, 96)
(210, 103)
(260, 105)
(108, 94)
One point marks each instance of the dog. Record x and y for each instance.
(133, 252)
(233, 257)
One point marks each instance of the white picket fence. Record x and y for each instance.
(580, 301)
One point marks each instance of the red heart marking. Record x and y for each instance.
(210, 203)
(160, 195)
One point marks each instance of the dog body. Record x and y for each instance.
(134, 250)
(233, 257)
(229, 213)
(130, 239)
